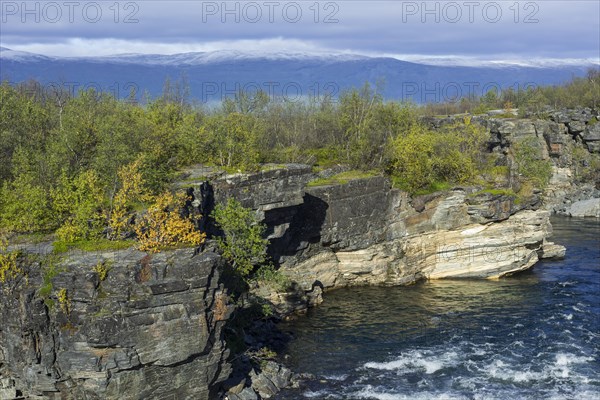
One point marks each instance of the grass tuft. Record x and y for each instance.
(92, 245)
(342, 178)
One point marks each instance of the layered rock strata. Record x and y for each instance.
(150, 330)
(365, 232)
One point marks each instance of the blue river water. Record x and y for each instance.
(535, 335)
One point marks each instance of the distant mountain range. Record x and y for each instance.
(212, 76)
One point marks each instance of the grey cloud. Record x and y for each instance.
(564, 27)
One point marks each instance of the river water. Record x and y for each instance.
(535, 335)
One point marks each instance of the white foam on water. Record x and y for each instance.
(551, 376)
(369, 392)
(526, 376)
(505, 372)
(562, 366)
(567, 283)
(341, 377)
(567, 359)
(480, 352)
(319, 394)
(560, 369)
(416, 360)
(584, 395)
(568, 317)
(487, 395)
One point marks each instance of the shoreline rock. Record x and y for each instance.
(585, 208)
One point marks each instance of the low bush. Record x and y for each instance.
(164, 225)
(243, 244)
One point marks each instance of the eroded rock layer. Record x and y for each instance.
(150, 330)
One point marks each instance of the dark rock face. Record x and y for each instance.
(486, 207)
(150, 330)
(336, 217)
(265, 190)
(591, 137)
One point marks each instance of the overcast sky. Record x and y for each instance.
(405, 29)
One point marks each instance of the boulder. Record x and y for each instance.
(245, 394)
(551, 250)
(271, 379)
(561, 116)
(582, 115)
(591, 137)
(576, 127)
(508, 129)
(585, 208)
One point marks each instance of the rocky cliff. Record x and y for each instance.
(126, 325)
(569, 138)
(119, 325)
(366, 232)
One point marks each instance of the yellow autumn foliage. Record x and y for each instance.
(132, 190)
(64, 301)
(164, 226)
(8, 262)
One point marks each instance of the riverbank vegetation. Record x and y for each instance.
(86, 166)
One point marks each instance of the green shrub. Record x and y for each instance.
(243, 245)
(231, 140)
(267, 274)
(25, 207)
(102, 268)
(585, 165)
(422, 159)
(530, 164)
(79, 201)
(50, 267)
(64, 301)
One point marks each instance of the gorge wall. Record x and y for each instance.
(152, 329)
(366, 232)
(570, 138)
(152, 326)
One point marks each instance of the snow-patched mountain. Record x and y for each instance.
(20, 56)
(212, 76)
(505, 62)
(203, 58)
